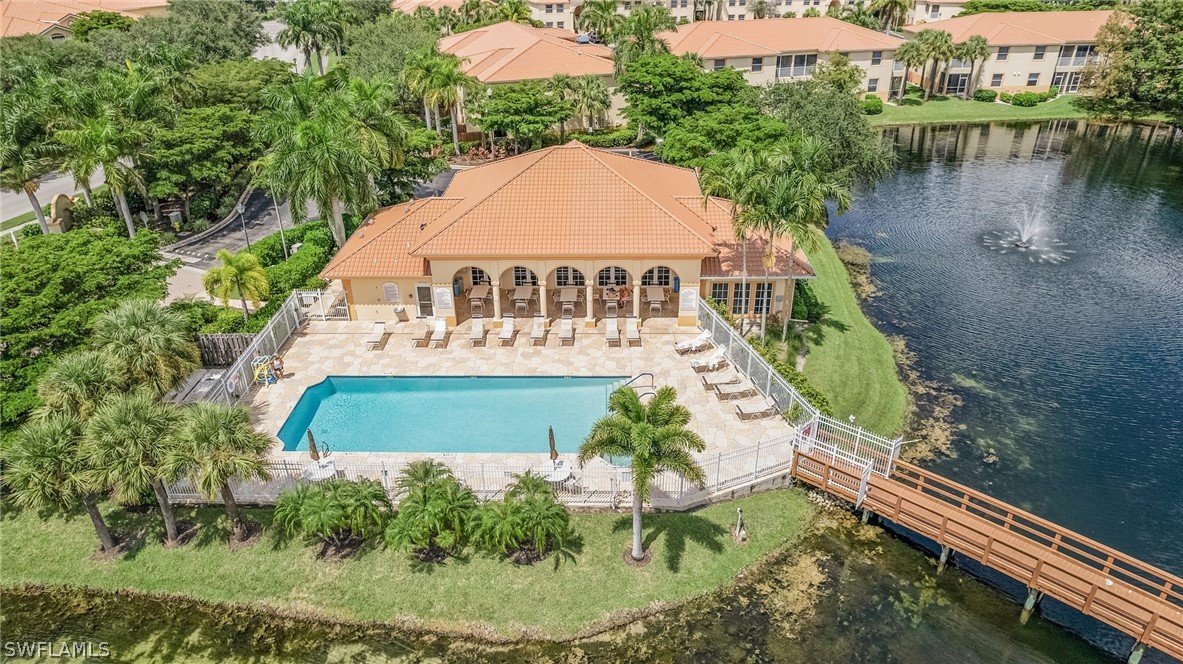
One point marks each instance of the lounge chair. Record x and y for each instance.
(423, 337)
(477, 336)
(710, 362)
(538, 332)
(567, 331)
(693, 345)
(712, 380)
(374, 341)
(505, 336)
(611, 332)
(731, 391)
(752, 410)
(631, 331)
(439, 333)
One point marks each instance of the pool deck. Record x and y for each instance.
(338, 348)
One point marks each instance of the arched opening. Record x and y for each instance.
(519, 291)
(612, 276)
(659, 276)
(568, 277)
(471, 288)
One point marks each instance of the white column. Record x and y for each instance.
(637, 301)
(542, 298)
(591, 318)
(497, 300)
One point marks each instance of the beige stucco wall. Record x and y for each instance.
(1019, 63)
(922, 11)
(780, 290)
(881, 72)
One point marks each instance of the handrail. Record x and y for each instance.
(638, 377)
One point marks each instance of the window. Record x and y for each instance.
(1003, 51)
(673, 3)
(1039, 51)
(763, 298)
(731, 17)
(57, 37)
(873, 85)
(550, 24)
(757, 64)
(390, 292)
(743, 3)
(739, 304)
(719, 292)
(524, 276)
(612, 276)
(658, 276)
(1032, 80)
(550, 9)
(876, 57)
(742, 16)
(568, 277)
(684, 3)
(730, 3)
(934, 11)
(478, 276)
(719, 64)
(996, 80)
(559, 10)
(561, 24)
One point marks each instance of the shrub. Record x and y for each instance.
(434, 515)
(872, 105)
(1053, 92)
(523, 528)
(269, 250)
(721, 309)
(341, 514)
(617, 138)
(1025, 99)
(985, 95)
(198, 313)
(227, 321)
(806, 306)
(798, 381)
(1005, 96)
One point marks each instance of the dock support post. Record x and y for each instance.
(866, 515)
(1136, 653)
(944, 560)
(1033, 597)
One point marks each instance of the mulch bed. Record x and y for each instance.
(186, 531)
(342, 551)
(643, 562)
(252, 533)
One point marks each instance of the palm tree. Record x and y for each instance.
(444, 86)
(105, 141)
(600, 19)
(859, 15)
(151, 344)
(561, 86)
(762, 9)
(334, 512)
(910, 54)
(894, 12)
(239, 275)
(127, 440)
(938, 47)
(448, 19)
(735, 175)
(638, 35)
(27, 150)
(76, 384)
(973, 49)
(418, 71)
(654, 437)
(515, 11)
(433, 514)
(216, 443)
(45, 469)
(311, 26)
(473, 11)
(590, 99)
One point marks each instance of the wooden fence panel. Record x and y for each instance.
(221, 350)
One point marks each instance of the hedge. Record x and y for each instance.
(616, 138)
(985, 95)
(872, 105)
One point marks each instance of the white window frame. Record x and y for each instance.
(723, 286)
(569, 277)
(612, 276)
(524, 276)
(658, 276)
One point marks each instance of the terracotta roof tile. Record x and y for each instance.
(507, 52)
(380, 247)
(1023, 28)
(729, 259)
(728, 39)
(22, 17)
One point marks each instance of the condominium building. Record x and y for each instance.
(773, 50)
(1029, 51)
(53, 18)
(924, 11)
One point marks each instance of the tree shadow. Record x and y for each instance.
(679, 528)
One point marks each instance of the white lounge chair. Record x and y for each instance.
(710, 362)
(538, 332)
(374, 341)
(731, 391)
(752, 410)
(631, 331)
(567, 331)
(424, 336)
(505, 336)
(477, 336)
(611, 332)
(712, 380)
(439, 333)
(693, 345)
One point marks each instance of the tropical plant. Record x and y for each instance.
(433, 515)
(108, 143)
(762, 9)
(530, 483)
(910, 54)
(973, 49)
(311, 26)
(600, 19)
(338, 513)
(240, 275)
(27, 150)
(938, 48)
(859, 14)
(590, 99)
(421, 474)
(150, 343)
(893, 12)
(523, 527)
(474, 11)
(812, 12)
(653, 436)
(46, 469)
(214, 444)
(127, 440)
(514, 11)
(735, 175)
(441, 80)
(77, 383)
(638, 35)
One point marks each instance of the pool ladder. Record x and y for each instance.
(637, 388)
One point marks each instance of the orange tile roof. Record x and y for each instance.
(507, 52)
(728, 39)
(381, 246)
(1023, 28)
(23, 17)
(729, 261)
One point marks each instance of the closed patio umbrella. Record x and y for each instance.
(554, 453)
(312, 447)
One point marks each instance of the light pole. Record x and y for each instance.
(242, 217)
(279, 218)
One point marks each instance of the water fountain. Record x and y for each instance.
(1029, 235)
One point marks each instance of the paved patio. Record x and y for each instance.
(339, 348)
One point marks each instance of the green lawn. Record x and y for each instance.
(940, 110)
(853, 365)
(694, 553)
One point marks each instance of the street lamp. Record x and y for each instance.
(242, 217)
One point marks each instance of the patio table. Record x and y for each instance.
(523, 293)
(554, 473)
(320, 470)
(480, 292)
(612, 295)
(569, 295)
(654, 294)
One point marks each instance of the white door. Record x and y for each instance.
(423, 295)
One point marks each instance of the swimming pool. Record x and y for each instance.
(447, 414)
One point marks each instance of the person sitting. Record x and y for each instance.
(625, 294)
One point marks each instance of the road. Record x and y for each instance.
(273, 50)
(14, 204)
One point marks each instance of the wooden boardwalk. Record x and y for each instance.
(1139, 599)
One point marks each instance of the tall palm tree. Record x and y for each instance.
(515, 11)
(939, 48)
(445, 86)
(893, 12)
(127, 440)
(312, 26)
(760, 9)
(239, 275)
(590, 99)
(27, 150)
(215, 444)
(418, 72)
(77, 383)
(973, 49)
(109, 143)
(473, 11)
(46, 469)
(736, 176)
(150, 343)
(654, 437)
(448, 19)
(638, 35)
(859, 15)
(910, 54)
(560, 86)
(600, 19)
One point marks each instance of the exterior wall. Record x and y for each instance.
(367, 300)
(881, 73)
(936, 10)
(780, 291)
(1019, 64)
(561, 14)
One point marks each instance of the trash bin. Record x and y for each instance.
(401, 313)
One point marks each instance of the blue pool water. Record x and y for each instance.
(447, 414)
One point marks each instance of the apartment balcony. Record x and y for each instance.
(1077, 61)
(795, 72)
